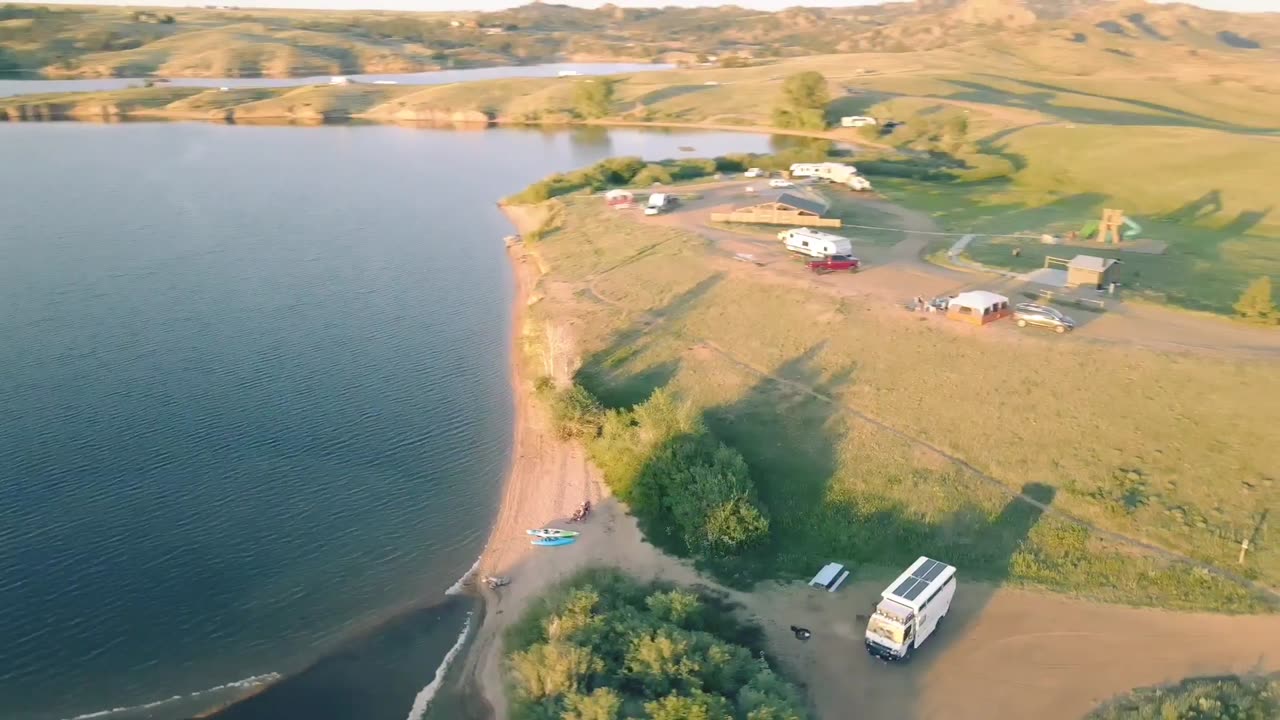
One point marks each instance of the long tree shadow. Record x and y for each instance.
(614, 373)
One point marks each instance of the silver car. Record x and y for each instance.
(1043, 316)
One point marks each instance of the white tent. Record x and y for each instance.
(979, 300)
(978, 307)
(618, 198)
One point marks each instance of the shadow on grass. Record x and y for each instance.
(610, 374)
(668, 93)
(821, 508)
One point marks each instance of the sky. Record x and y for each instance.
(1235, 5)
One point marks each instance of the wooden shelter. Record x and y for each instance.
(978, 307)
(786, 209)
(1084, 270)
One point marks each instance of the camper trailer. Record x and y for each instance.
(910, 609)
(815, 243)
(833, 172)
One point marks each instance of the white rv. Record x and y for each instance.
(834, 172)
(814, 243)
(910, 609)
(658, 202)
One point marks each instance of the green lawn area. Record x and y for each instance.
(1202, 192)
(1238, 698)
(1174, 451)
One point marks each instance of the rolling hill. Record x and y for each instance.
(109, 41)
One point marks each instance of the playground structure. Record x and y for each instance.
(1113, 227)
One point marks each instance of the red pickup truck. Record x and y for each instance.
(834, 263)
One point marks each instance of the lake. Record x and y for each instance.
(257, 404)
(441, 77)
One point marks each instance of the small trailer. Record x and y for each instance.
(834, 263)
(911, 609)
(814, 243)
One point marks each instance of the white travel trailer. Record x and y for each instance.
(910, 609)
(814, 243)
(835, 172)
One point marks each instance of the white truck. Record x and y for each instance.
(658, 202)
(815, 243)
(910, 609)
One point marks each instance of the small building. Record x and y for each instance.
(785, 209)
(1090, 271)
(619, 198)
(978, 307)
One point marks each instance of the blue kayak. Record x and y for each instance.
(553, 541)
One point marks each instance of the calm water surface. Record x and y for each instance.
(255, 398)
(28, 86)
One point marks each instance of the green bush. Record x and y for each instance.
(701, 487)
(652, 174)
(683, 485)
(602, 646)
(576, 414)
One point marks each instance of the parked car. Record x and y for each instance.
(1025, 314)
(781, 183)
(754, 172)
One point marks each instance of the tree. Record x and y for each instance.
(806, 89)
(593, 98)
(1256, 304)
(602, 704)
(551, 669)
(698, 706)
(804, 102)
(577, 414)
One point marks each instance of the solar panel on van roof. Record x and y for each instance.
(916, 583)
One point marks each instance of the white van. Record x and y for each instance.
(910, 609)
(814, 243)
(657, 203)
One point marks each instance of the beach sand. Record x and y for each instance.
(1030, 654)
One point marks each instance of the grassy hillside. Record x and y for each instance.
(105, 41)
(840, 413)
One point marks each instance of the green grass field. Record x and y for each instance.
(1239, 698)
(1173, 452)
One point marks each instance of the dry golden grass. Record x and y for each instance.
(834, 404)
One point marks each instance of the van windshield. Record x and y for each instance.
(888, 629)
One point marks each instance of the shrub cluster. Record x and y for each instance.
(605, 647)
(684, 486)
